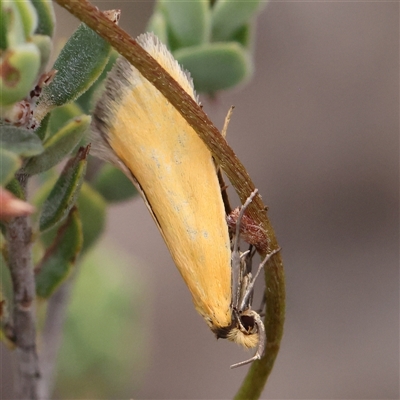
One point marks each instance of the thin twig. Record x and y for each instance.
(52, 337)
(19, 242)
(226, 158)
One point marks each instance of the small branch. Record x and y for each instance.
(19, 241)
(225, 158)
(52, 337)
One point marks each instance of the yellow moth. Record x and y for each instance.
(138, 130)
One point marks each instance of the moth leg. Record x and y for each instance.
(250, 287)
(237, 278)
(261, 343)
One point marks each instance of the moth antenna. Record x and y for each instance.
(224, 193)
(239, 220)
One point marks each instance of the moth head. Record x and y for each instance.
(245, 332)
(247, 329)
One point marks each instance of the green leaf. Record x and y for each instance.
(9, 165)
(46, 16)
(60, 257)
(45, 46)
(11, 17)
(65, 192)
(4, 21)
(19, 67)
(59, 145)
(88, 99)
(113, 184)
(61, 115)
(158, 26)
(20, 141)
(243, 36)
(229, 15)
(92, 209)
(79, 64)
(216, 66)
(29, 17)
(189, 21)
(41, 131)
(15, 188)
(38, 199)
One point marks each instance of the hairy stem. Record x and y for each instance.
(19, 241)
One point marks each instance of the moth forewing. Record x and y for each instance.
(137, 129)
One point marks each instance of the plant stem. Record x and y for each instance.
(225, 158)
(19, 241)
(52, 337)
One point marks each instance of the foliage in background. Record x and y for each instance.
(212, 40)
(106, 340)
(45, 121)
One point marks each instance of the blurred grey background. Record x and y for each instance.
(318, 129)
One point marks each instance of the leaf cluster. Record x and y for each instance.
(49, 144)
(211, 39)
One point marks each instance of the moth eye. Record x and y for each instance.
(248, 323)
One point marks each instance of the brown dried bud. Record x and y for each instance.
(249, 230)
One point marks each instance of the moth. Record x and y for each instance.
(138, 130)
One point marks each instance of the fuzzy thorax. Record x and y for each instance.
(244, 330)
(249, 340)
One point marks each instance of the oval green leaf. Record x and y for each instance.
(46, 16)
(59, 145)
(79, 64)
(158, 25)
(61, 115)
(19, 67)
(113, 184)
(216, 66)
(15, 188)
(189, 21)
(29, 17)
(88, 100)
(65, 191)
(9, 165)
(45, 46)
(92, 209)
(229, 15)
(60, 257)
(11, 17)
(3, 27)
(20, 141)
(41, 130)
